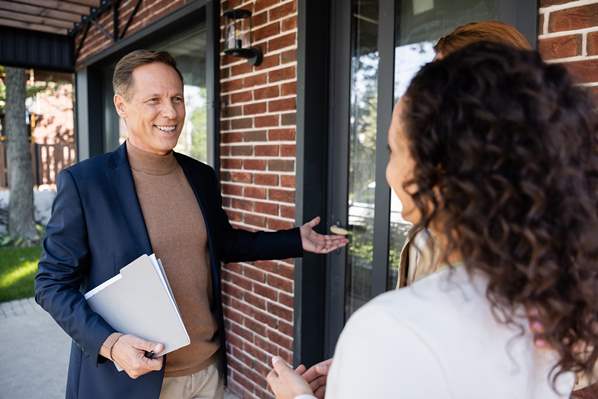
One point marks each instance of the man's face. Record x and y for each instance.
(153, 108)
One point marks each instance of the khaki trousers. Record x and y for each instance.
(205, 384)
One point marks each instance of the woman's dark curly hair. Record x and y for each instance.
(506, 155)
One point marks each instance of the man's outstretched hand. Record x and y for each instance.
(319, 243)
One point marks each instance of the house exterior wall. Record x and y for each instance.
(568, 34)
(257, 155)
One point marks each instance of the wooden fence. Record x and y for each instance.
(47, 161)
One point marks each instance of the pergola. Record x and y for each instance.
(44, 33)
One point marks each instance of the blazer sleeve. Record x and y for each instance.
(379, 357)
(62, 268)
(241, 245)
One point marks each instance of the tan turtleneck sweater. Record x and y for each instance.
(178, 236)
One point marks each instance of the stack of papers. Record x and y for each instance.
(139, 301)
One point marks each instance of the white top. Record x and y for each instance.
(438, 339)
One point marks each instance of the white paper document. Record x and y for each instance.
(139, 301)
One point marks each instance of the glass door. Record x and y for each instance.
(378, 46)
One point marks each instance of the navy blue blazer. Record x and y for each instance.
(96, 228)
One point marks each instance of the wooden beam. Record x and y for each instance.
(58, 5)
(39, 11)
(90, 3)
(24, 25)
(35, 20)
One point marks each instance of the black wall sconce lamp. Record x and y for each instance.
(238, 36)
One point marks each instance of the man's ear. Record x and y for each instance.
(120, 105)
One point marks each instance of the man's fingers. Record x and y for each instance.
(153, 364)
(324, 367)
(147, 346)
(314, 222)
(280, 366)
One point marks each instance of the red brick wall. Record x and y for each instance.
(568, 34)
(257, 156)
(148, 12)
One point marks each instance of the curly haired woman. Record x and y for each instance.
(495, 153)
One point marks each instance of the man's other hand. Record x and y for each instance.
(129, 353)
(319, 243)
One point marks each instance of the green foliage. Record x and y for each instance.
(20, 242)
(17, 271)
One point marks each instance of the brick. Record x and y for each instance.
(255, 135)
(288, 301)
(288, 88)
(267, 265)
(289, 23)
(265, 291)
(231, 85)
(280, 311)
(287, 271)
(231, 138)
(259, 19)
(583, 71)
(276, 224)
(284, 327)
(281, 165)
(266, 31)
(265, 179)
(241, 177)
(235, 267)
(288, 56)
(243, 204)
(255, 108)
(287, 181)
(269, 61)
(255, 192)
(254, 274)
(280, 339)
(288, 119)
(242, 332)
(254, 300)
(240, 281)
(540, 25)
(232, 111)
(255, 80)
(232, 189)
(287, 150)
(287, 212)
(281, 74)
(592, 43)
(254, 164)
(257, 328)
(241, 123)
(267, 150)
(282, 11)
(280, 283)
(560, 47)
(285, 104)
(281, 134)
(224, 73)
(255, 220)
(280, 42)
(261, 4)
(281, 195)
(266, 207)
(241, 97)
(241, 150)
(573, 18)
(266, 92)
(266, 121)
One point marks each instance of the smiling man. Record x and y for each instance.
(145, 198)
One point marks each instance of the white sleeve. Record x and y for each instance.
(377, 356)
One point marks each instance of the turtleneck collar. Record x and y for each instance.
(148, 163)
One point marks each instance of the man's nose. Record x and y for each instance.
(168, 110)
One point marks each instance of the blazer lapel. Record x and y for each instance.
(120, 175)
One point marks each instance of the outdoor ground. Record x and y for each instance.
(17, 270)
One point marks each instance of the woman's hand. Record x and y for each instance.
(285, 382)
(316, 376)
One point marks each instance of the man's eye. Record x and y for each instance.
(153, 100)
(177, 100)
